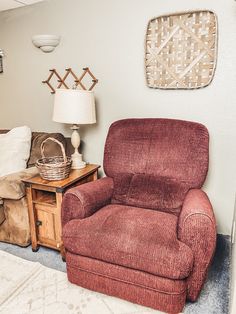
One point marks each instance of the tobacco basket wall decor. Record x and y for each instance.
(181, 50)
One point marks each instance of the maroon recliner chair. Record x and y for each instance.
(146, 232)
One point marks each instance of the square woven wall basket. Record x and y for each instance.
(181, 50)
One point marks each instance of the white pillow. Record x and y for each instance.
(14, 150)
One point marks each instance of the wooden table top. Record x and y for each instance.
(75, 175)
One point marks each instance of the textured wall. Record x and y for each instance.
(108, 36)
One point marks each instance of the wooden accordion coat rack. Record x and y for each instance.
(77, 81)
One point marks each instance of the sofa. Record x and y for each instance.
(146, 232)
(14, 220)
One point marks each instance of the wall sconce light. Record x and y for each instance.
(46, 43)
(1, 63)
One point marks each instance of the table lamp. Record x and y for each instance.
(75, 107)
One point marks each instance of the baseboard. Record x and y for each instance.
(233, 266)
(233, 281)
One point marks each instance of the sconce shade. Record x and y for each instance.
(46, 43)
(74, 106)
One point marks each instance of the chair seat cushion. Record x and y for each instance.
(136, 238)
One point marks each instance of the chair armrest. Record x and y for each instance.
(197, 229)
(84, 200)
(11, 185)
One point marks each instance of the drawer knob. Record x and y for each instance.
(38, 223)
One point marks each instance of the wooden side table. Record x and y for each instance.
(44, 203)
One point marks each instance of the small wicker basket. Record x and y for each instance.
(53, 168)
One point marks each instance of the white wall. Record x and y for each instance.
(108, 36)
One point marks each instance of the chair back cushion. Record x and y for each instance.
(14, 150)
(51, 149)
(154, 162)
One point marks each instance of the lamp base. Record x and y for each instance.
(77, 162)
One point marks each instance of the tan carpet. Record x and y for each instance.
(31, 288)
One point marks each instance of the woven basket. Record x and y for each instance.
(53, 168)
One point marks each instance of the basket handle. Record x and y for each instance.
(55, 141)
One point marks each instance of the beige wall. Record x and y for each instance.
(108, 36)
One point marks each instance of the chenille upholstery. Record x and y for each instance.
(124, 241)
(146, 232)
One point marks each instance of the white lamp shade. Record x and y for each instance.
(74, 106)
